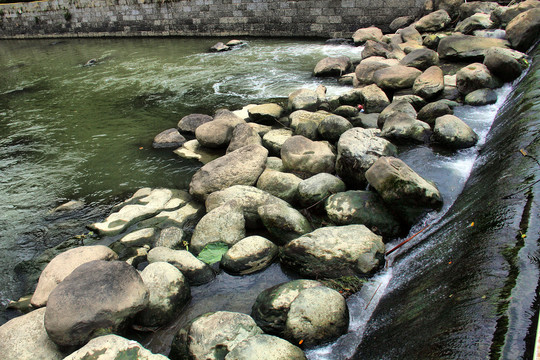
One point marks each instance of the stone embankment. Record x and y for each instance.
(281, 183)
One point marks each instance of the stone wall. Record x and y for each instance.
(85, 18)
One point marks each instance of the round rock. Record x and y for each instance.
(195, 271)
(273, 348)
(249, 255)
(302, 155)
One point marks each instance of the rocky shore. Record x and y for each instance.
(315, 185)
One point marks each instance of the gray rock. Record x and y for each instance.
(331, 127)
(212, 336)
(360, 36)
(284, 223)
(183, 217)
(192, 149)
(410, 34)
(25, 338)
(396, 77)
(376, 48)
(473, 77)
(266, 113)
(365, 70)
(346, 111)
(469, 8)
(195, 271)
(168, 139)
(450, 6)
(169, 293)
(357, 150)
(62, 265)
(300, 154)
(450, 131)
(430, 84)
(97, 298)
(218, 132)
(317, 188)
(365, 208)
(224, 224)
(303, 99)
(317, 316)
(171, 237)
(332, 66)
(420, 59)
(334, 251)
(306, 123)
(402, 189)
(240, 167)
(373, 98)
(481, 97)
(219, 47)
(280, 184)
(402, 107)
(400, 22)
(274, 139)
(474, 22)
(407, 95)
(192, 121)
(72, 205)
(113, 347)
(273, 348)
(264, 129)
(346, 79)
(504, 63)
(366, 121)
(466, 47)
(274, 163)
(243, 134)
(502, 15)
(127, 245)
(433, 110)
(434, 21)
(402, 128)
(249, 255)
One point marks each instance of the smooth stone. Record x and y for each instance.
(303, 99)
(402, 128)
(195, 271)
(396, 77)
(218, 132)
(249, 255)
(401, 107)
(433, 110)
(273, 348)
(243, 134)
(332, 66)
(473, 77)
(113, 347)
(317, 188)
(474, 22)
(168, 139)
(191, 122)
(192, 149)
(452, 132)
(274, 139)
(284, 223)
(332, 126)
(504, 63)
(434, 21)
(362, 35)
(280, 184)
(481, 97)
(420, 59)
(306, 123)
(430, 83)
(467, 47)
(302, 155)
(266, 113)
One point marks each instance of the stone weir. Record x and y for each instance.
(471, 296)
(100, 18)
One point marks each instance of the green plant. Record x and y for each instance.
(67, 15)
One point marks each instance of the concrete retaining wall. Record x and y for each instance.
(91, 18)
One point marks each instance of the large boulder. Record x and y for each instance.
(332, 126)
(357, 150)
(480, 97)
(365, 70)
(450, 6)
(502, 15)
(306, 123)
(432, 111)
(240, 167)
(249, 255)
(467, 47)
(332, 66)
(266, 113)
(25, 338)
(402, 189)
(400, 22)
(273, 348)
(113, 347)
(315, 189)
(430, 84)
(303, 99)
(195, 271)
(62, 265)
(420, 59)
(372, 97)
(335, 251)
(191, 122)
(243, 134)
(218, 132)
(523, 30)
(452, 132)
(396, 77)
(284, 223)
(365, 208)
(395, 107)
(474, 22)
(274, 139)
(469, 8)
(212, 336)
(168, 139)
(300, 154)
(362, 35)
(506, 64)
(434, 21)
(473, 77)
(409, 34)
(169, 293)
(376, 48)
(280, 184)
(402, 128)
(98, 297)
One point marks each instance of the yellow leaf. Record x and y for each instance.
(523, 152)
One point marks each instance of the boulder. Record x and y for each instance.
(171, 237)
(473, 77)
(306, 123)
(396, 77)
(400, 22)
(434, 21)
(502, 15)
(450, 131)
(185, 216)
(62, 265)
(523, 30)
(408, 47)
(402, 128)
(407, 95)
(273, 348)
(218, 132)
(420, 59)
(335, 251)
(450, 6)
(347, 111)
(127, 245)
(346, 79)
(169, 293)
(332, 126)
(431, 41)
(474, 22)
(272, 305)
(195, 271)
(249, 255)
(224, 224)
(168, 139)
(299, 154)
(192, 149)
(280, 184)
(430, 83)
(332, 66)
(283, 222)
(243, 113)
(467, 47)
(318, 187)
(97, 298)
(402, 189)
(365, 70)
(481, 97)
(470, 8)
(113, 347)
(433, 110)
(243, 134)
(274, 139)
(506, 64)
(317, 316)
(266, 113)
(248, 198)
(213, 335)
(366, 121)
(376, 48)
(364, 208)
(360, 36)
(303, 99)
(274, 163)
(403, 107)
(25, 338)
(264, 129)
(190, 123)
(410, 34)
(219, 47)
(357, 150)
(240, 167)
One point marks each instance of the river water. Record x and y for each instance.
(75, 132)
